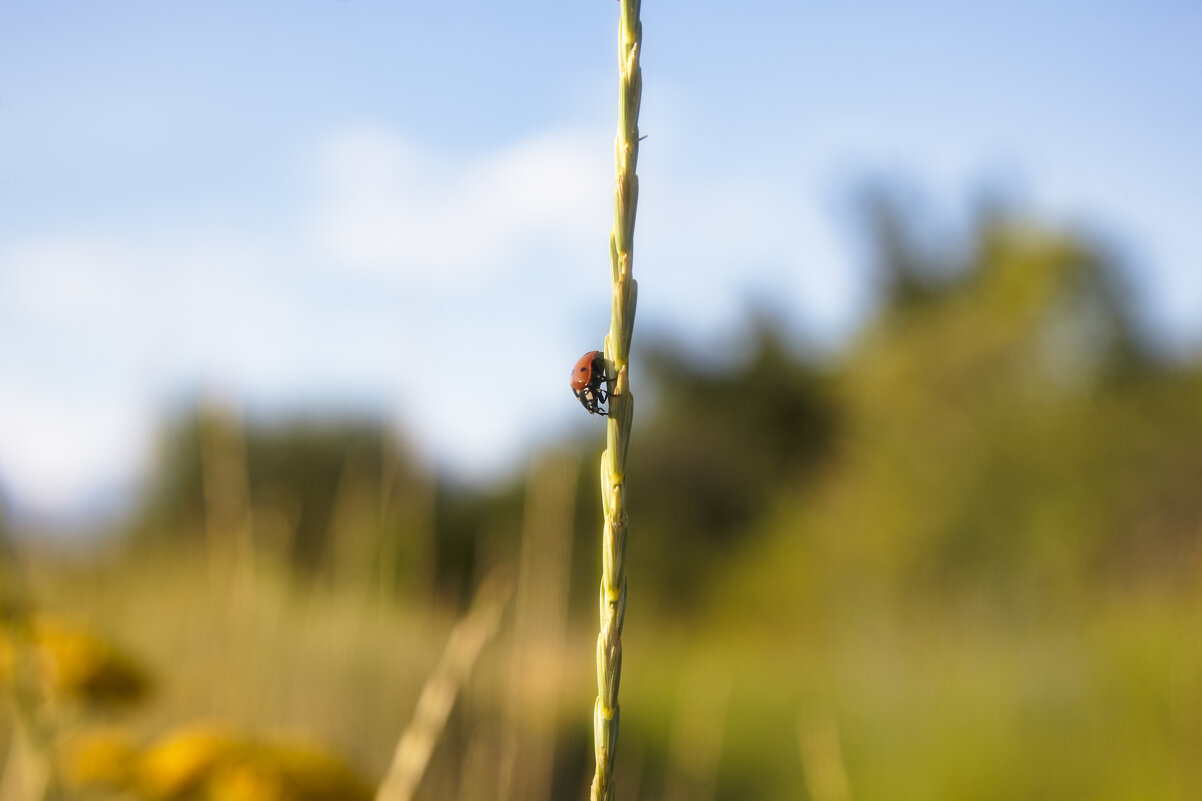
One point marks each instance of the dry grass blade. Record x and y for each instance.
(467, 640)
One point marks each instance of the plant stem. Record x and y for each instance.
(617, 352)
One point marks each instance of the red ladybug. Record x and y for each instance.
(587, 377)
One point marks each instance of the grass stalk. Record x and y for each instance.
(617, 352)
(467, 640)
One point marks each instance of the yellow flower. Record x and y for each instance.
(210, 763)
(180, 765)
(71, 661)
(101, 757)
(287, 771)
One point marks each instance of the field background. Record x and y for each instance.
(959, 558)
(290, 472)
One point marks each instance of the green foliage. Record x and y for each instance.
(1005, 433)
(719, 448)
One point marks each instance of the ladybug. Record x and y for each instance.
(587, 377)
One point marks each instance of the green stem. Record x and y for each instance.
(617, 352)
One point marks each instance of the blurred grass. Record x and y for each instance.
(278, 659)
(1093, 697)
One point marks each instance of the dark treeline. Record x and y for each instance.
(998, 423)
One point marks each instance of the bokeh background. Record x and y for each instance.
(289, 295)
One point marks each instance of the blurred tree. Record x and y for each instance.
(308, 476)
(718, 447)
(1003, 428)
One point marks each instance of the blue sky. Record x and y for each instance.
(404, 207)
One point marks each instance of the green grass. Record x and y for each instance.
(1097, 698)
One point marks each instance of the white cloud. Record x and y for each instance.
(103, 328)
(58, 453)
(57, 281)
(396, 210)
